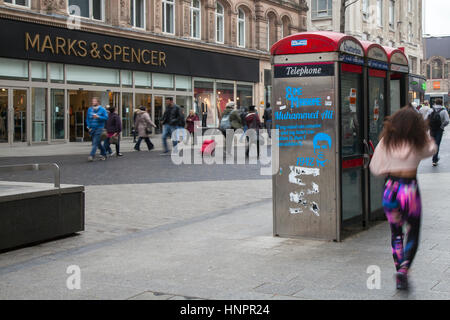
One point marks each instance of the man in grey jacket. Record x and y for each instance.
(438, 119)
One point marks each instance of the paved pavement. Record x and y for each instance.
(212, 239)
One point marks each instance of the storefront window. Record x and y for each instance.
(186, 102)
(13, 69)
(183, 83)
(127, 114)
(203, 101)
(25, 3)
(244, 95)
(38, 71)
(144, 100)
(4, 115)
(162, 81)
(20, 115)
(39, 114)
(224, 94)
(127, 79)
(90, 75)
(57, 114)
(56, 73)
(143, 80)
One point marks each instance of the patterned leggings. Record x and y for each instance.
(401, 202)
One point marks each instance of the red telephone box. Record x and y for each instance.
(399, 79)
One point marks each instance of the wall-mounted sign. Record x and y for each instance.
(351, 47)
(304, 70)
(378, 65)
(39, 42)
(299, 43)
(377, 54)
(351, 59)
(399, 68)
(436, 85)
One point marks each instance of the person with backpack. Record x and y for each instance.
(404, 142)
(253, 122)
(231, 119)
(438, 119)
(113, 128)
(267, 117)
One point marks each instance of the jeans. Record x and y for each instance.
(437, 138)
(167, 133)
(107, 145)
(147, 141)
(97, 142)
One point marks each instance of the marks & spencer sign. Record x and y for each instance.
(51, 44)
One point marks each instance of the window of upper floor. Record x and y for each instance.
(22, 3)
(138, 13)
(380, 13)
(220, 24)
(365, 8)
(321, 9)
(90, 9)
(410, 6)
(435, 69)
(241, 28)
(410, 33)
(196, 19)
(392, 14)
(168, 14)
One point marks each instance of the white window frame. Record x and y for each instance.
(13, 3)
(380, 13)
(164, 5)
(220, 16)
(365, 8)
(199, 11)
(410, 33)
(91, 11)
(392, 14)
(268, 34)
(410, 5)
(239, 22)
(315, 14)
(144, 20)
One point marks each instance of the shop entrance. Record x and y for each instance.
(13, 115)
(79, 103)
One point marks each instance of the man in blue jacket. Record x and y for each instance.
(96, 119)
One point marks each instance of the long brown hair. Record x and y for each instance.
(405, 126)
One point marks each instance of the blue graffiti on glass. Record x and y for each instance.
(293, 96)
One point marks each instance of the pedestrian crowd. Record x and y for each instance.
(105, 125)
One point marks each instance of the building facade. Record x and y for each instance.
(133, 53)
(437, 64)
(391, 23)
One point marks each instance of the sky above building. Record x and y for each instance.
(436, 17)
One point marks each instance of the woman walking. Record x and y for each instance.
(190, 123)
(404, 142)
(113, 128)
(142, 125)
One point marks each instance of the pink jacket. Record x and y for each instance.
(403, 158)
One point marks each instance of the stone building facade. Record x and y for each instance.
(206, 30)
(437, 64)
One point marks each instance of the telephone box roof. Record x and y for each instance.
(316, 42)
(396, 56)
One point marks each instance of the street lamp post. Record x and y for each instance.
(344, 5)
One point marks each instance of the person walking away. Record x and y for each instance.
(243, 113)
(142, 125)
(425, 110)
(438, 119)
(253, 122)
(113, 129)
(95, 121)
(267, 117)
(404, 142)
(170, 121)
(190, 124)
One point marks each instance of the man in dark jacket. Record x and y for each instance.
(171, 122)
(267, 117)
(114, 128)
